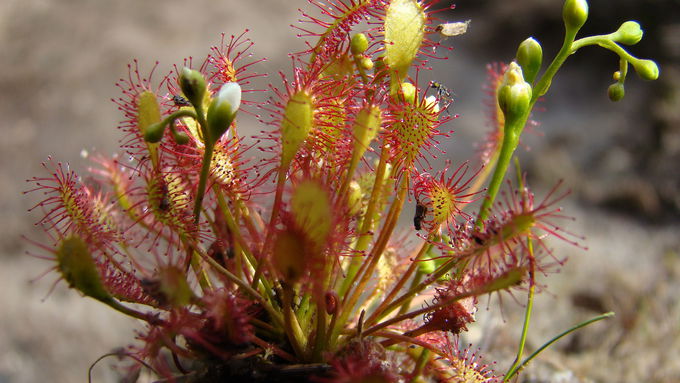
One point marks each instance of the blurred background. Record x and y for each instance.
(61, 60)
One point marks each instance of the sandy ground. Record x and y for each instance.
(62, 58)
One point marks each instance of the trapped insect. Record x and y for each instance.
(444, 94)
(180, 101)
(421, 210)
(447, 30)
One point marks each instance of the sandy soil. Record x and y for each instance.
(62, 58)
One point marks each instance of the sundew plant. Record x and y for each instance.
(279, 257)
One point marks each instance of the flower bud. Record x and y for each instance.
(575, 14)
(222, 109)
(514, 94)
(529, 57)
(366, 63)
(154, 132)
(408, 91)
(616, 91)
(359, 44)
(646, 69)
(629, 33)
(193, 86)
(79, 270)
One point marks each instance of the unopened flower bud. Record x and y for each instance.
(366, 63)
(359, 44)
(629, 33)
(408, 91)
(575, 14)
(79, 270)
(529, 57)
(514, 94)
(154, 132)
(616, 91)
(222, 109)
(646, 69)
(193, 86)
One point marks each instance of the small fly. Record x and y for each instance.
(444, 94)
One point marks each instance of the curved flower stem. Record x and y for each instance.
(205, 166)
(527, 312)
(605, 42)
(526, 361)
(513, 129)
(203, 180)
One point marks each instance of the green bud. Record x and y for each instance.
(180, 138)
(79, 270)
(408, 91)
(529, 57)
(646, 69)
(193, 86)
(575, 14)
(222, 109)
(359, 44)
(514, 94)
(629, 33)
(154, 132)
(366, 63)
(616, 91)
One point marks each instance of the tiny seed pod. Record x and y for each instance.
(331, 302)
(421, 210)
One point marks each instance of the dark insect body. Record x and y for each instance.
(421, 210)
(180, 101)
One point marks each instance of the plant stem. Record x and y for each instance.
(526, 361)
(513, 129)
